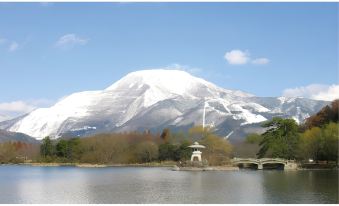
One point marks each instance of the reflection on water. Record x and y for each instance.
(25, 184)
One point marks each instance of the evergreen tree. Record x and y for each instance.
(62, 149)
(280, 139)
(47, 148)
(167, 152)
(184, 152)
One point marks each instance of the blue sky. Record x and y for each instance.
(51, 50)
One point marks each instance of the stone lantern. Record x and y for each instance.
(196, 153)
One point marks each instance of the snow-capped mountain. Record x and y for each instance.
(154, 99)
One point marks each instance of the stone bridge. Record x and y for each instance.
(288, 164)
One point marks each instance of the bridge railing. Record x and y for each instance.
(260, 161)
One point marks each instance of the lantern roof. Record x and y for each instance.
(196, 145)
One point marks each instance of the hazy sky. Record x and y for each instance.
(50, 50)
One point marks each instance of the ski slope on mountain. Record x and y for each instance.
(154, 99)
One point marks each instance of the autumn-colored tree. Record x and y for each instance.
(15, 152)
(197, 133)
(7, 152)
(166, 135)
(335, 110)
(147, 151)
(105, 149)
(218, 150)
(324, 116)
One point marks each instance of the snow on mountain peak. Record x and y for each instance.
(148, 98)
(173, 81)
(168, 83)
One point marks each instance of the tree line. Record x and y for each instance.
(18, 152)
(317, 138)
(135, 147)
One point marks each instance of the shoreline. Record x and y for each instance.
(152, 164)
(160, 165)
(90, 165)
(170, 165)
(209, 168)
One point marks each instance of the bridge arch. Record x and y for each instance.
(246, 163)
(264, 163)
(249, 165)
(273, 163)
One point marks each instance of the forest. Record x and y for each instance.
(124, 148)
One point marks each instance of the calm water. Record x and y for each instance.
(26, 184)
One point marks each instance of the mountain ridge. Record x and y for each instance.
(6, 136)
(154, 99)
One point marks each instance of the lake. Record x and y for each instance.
(28, 184)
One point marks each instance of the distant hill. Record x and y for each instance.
(327, 114)
(6, 136)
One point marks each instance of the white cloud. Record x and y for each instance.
(13, 46)
(330, 94)
(68, 41)
(237, 57)
(186, 68)
(17, 108)
(261, 61)
(314, 91)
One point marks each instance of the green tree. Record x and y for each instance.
(167, 151)
(62, 149)
(280, 139)
(320, 143)
(47, 147)
(330, 141)
(254, 138)
(309, 145)
(183, 152)
(75, 149)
